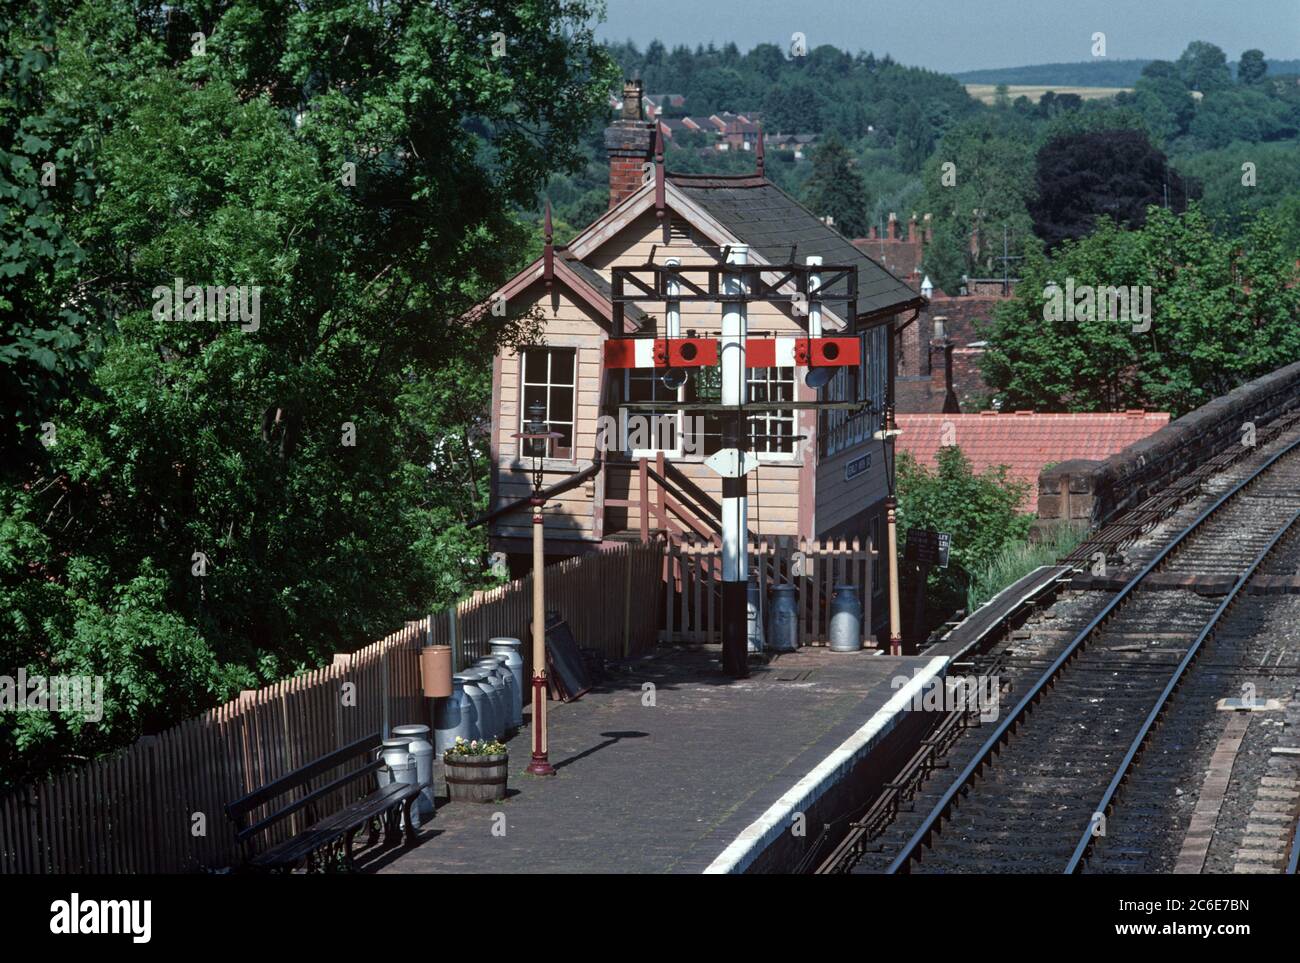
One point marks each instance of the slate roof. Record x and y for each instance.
(1025, 441)
(630, 311)
(769, 220)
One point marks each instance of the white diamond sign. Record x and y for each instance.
(732, 462)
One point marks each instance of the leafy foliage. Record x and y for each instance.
(835, 190)
(989, 185)
(979, 511)
(230, 501)
(1113, 173)
(1223, 310)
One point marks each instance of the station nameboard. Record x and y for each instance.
(857, 466)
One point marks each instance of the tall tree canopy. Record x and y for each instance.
(835, 189)
(1223, 310)
(228, 498)
(980, 176)
(1108, 173)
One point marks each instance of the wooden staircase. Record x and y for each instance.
(664, 503)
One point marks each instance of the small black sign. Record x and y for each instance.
(927, 547)
(857, 466)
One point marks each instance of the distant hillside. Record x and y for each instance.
(1087, 73)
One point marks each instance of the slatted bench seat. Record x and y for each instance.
(329, 833)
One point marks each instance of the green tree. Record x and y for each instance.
(792, 108)
(1252, 67)
(234, 498)
(1204, 67)
(835, 188)
(1223, 310)
(981, 511)
(981, 174)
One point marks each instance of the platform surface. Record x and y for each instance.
(662, 787)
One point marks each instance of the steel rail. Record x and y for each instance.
(1293, 864)
(982, 757)
(1089, 835)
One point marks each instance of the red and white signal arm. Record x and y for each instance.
(802, 352)
(759, 352)
(661, 353)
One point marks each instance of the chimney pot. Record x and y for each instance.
(632, 100)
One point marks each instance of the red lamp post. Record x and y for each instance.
(537, 439)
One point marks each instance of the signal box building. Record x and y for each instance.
(820, 474)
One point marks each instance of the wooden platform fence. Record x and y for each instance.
(158, 805)
(692, 600)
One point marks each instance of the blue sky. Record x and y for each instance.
(953, 35)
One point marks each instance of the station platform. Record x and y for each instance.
(669, 766)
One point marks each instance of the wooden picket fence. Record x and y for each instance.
(692, 600)
(158, 805)
(609, 599)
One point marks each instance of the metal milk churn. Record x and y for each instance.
(783, 634)
(394, 752)
(515, 663)
(487, 705)
(496, 694)
(754, 612)
(506, 683)
(453, 716)
(509, 693)
(846, 619)
(480, 714)
(421, 750)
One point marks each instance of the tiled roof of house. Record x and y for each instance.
(900, 255)
(769, 220)
(1026, 442)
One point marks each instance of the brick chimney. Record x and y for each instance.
(629, 142)
(892, 226)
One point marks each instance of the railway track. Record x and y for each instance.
(1077, 775)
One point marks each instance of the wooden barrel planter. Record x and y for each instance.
(477, 778)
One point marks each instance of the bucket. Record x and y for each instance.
(421, 750)
(453, 717)
(394, 752)
(515, 663)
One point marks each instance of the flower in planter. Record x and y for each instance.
(474, 747)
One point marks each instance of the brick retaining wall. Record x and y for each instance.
(1093, 492)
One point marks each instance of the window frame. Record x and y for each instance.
(550, 454)
(678, 415)
(790, 415)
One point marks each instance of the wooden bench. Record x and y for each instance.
(381, 808)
